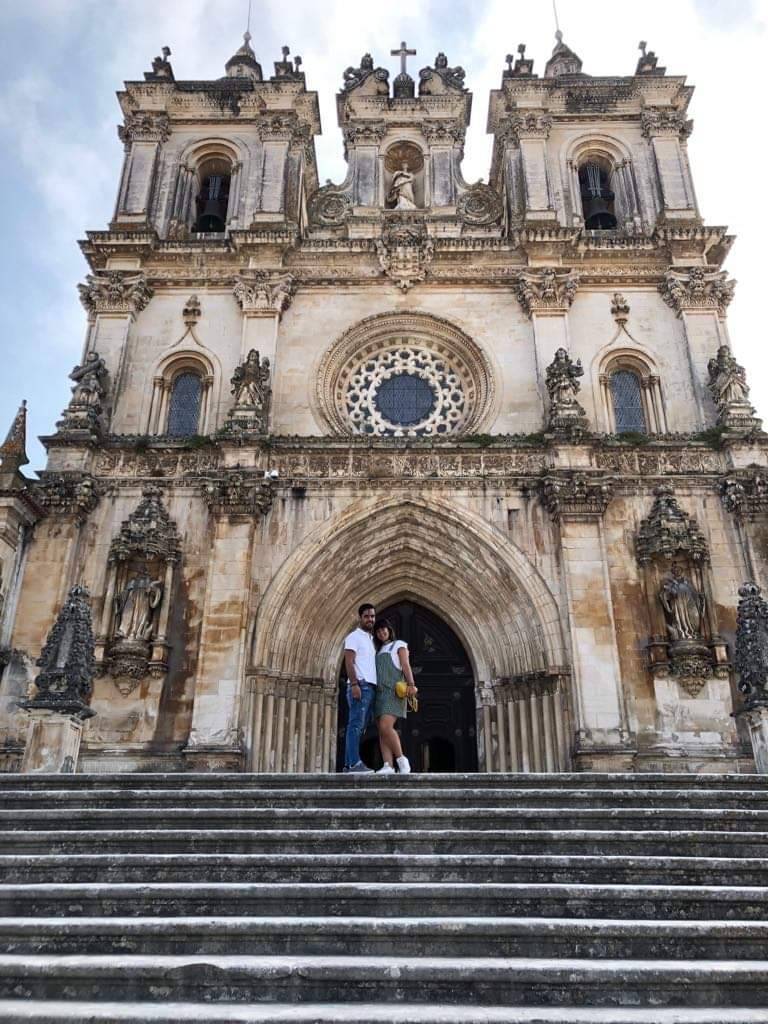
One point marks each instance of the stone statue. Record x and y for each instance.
(90, 386)
(136, 605)
(727, 380)
(683, 606)
(562, 380)
(400, 195)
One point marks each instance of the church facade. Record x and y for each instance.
(507, 412)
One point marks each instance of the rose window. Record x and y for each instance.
(406, 390)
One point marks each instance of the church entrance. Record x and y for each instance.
(441, 736)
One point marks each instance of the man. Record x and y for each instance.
(360, 663)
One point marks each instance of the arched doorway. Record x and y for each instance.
(441, 737)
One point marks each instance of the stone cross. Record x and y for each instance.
(403, 53)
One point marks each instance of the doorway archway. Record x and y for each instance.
(441, 736)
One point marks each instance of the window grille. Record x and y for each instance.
(184, 411)
(405, 399)
(627, 403)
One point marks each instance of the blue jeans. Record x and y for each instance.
(360, 715)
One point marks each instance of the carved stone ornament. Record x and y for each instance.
(697, 288)
(64, 494)
(656, 121)
(85, 406)
(619, 309)
(329, 206)
(751, 657)
(355, 77)
(546, 290)
(237, 492)
(566, 416)
(148, 532)
(67, 661)
(405, 252)
(436, 132)
(145, 126)
(13, 451)
(668, 532)
(263, 293)
(530, 126)
(451, 79)
(115, 291)
(745, 493)
(730, 391)
(370, 134)
(480, 205)
(192, 311)
(253, 394)
(576, 494)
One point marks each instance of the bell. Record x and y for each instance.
(598, 215)
(212, 216)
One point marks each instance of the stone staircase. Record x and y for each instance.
(446, 898)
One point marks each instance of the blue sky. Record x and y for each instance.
(64, 59)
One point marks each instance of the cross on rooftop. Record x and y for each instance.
(403, 53)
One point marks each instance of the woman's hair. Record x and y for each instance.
(383, 624)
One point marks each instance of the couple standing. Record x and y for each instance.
(375, 661)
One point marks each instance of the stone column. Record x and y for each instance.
(700, 297)
(237, 504)
(530, 132)
(546, 295)
(143, 135)
(666, 131)
(577, 502)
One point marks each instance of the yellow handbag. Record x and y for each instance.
(401, 691)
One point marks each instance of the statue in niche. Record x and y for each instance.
(250, 386)
(89, 386)
(683, 607)
(562, 379)
(136, 607)
(400, 195)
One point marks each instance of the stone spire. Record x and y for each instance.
(243, 63)
(563, 60)
(13, 451)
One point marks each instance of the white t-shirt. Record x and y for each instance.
(392, 648)
(365, 654)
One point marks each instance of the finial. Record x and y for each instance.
(247, 37)
(559, 36)
(642, 46)
(297, 62)
(509, 59)
(285, 50)
(521, 49)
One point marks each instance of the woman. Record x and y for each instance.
(392, 664)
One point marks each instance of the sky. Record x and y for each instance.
(63, 60)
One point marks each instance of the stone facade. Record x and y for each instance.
(511, 404)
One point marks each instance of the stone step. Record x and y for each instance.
(685, 843)
(373, 936)
(387, 818)
(357, 979)
(385, 867)
(391, 797)
(381, 899)
(475, 780)
(35, 1012)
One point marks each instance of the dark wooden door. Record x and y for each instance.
(441, 736)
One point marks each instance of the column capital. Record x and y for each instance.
(568, 494)
(533, 125)
(145, 126)
(664, 121)
(260, 293)
(236, 492)
(697, 288)
(546, 290)
(115, 291)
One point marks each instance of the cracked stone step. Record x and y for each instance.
(365, 818)
(344, 841)
(341, 797)
(386, 867)
(450, 899)
(35, 1012)
(371, 936)
(426, 980)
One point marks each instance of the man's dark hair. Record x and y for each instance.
(364, 608)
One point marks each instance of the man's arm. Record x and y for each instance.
(349, 664)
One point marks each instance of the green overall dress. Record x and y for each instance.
(386, 677)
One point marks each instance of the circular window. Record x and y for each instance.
(405, 399)
(407, 375)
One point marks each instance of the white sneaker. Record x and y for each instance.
(403, 765)
(386, 769)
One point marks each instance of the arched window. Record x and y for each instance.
(626, 395)
(212, 201)
(597, 196)
(184, 405)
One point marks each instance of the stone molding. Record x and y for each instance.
(115, 291)
(238, 493)
(697, 289)
(546, 290)
(145, 126)
(261, 293)
(568, 494)
(663, 121)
